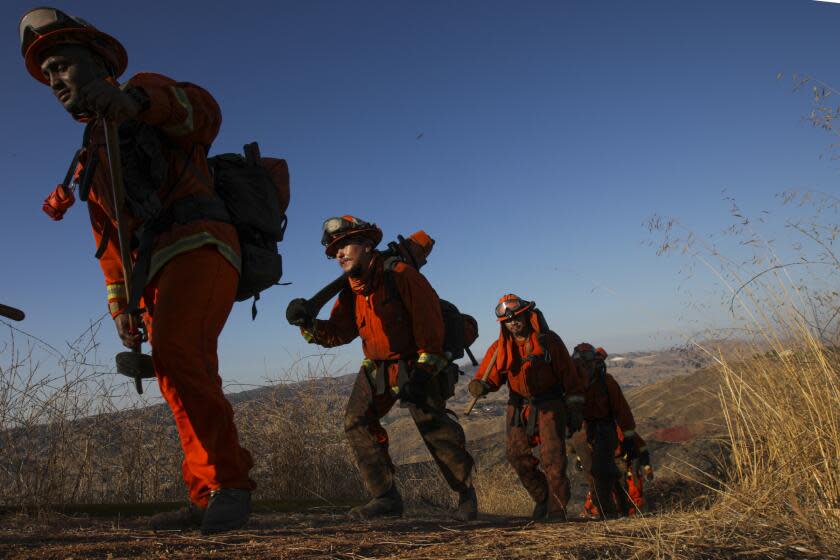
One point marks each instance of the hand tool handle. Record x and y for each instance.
(11, 313)
(484, 377)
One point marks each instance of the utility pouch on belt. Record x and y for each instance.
(519, 404)
(377, 372)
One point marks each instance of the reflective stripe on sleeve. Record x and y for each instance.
(116, 291)
(308, 336)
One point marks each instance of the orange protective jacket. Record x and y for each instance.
(407, 325)
(531, 378)
(191, 118)
(604, 400)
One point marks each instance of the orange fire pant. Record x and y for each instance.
(188, 302)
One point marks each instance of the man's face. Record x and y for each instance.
(586, 367)
(518, 325)
(68, 68)
(354, 257)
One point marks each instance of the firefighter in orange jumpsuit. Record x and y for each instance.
(546, 395)
(397, 314)
(607, 417)
(634, 463)
(191, 264)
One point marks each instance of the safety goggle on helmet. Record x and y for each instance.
(588, 353)
(40, 21)
(42, 28)
(342, 227)
(511, 305)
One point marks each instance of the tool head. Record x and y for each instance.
(136, 365)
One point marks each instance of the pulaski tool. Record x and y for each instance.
(410, 251)
(133, 364)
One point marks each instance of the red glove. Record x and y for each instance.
(57, 203)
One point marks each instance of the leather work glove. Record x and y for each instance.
(628, 448)
(414, 390)
(58, 202)
(297, 314)
(478, 388)
(130, 338)
(575, 421)
(108, 101)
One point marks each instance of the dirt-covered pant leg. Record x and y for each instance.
(552, 432)
(444, 437)
(367, 437)
(523, 461)
(189, 302)
(603, 439)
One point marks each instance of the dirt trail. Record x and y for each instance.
(317, 535)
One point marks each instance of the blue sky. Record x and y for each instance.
(550, 132)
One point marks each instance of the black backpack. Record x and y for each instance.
(456, 339)
(250, 200)
(250, 194)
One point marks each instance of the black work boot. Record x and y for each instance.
(540, 510)
(185, 518)
(389, 504)
(467, 505)
(229, 509)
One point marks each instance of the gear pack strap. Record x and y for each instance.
(183, 211)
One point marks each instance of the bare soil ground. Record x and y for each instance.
(328, 534)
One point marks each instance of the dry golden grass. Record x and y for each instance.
(80, 436)
(780, 392)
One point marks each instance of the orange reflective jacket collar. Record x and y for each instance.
(509, 358)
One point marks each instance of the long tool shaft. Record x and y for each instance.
(112, 144)
(325, 294)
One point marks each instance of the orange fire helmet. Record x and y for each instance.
(42, 28)
(511, 305)
(585, 352)
(341, 227)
